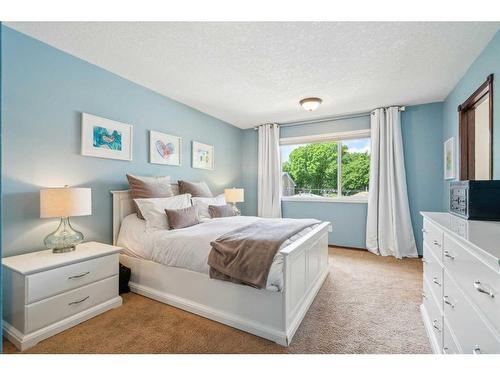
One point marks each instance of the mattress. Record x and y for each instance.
(189, 247)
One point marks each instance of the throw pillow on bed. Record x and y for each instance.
(149, 187)
(221, 211)
(182, 218)
(153, 209)
(202, 204)
(196, 189)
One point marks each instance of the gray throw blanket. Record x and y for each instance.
(245, 255)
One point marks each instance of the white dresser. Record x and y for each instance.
(45, 293)
(461, 291)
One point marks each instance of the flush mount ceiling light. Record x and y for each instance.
(310, 104)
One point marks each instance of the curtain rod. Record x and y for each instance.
(331, 118)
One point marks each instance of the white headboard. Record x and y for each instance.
(123, 205)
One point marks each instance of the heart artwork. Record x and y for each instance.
(165, 150)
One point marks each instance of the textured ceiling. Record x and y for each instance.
(252, 73)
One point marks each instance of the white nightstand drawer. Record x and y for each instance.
(43, 313)
(477, 280)
(49, 283)
(471, 331)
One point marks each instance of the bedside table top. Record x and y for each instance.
(45, 260)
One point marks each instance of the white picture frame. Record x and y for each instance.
(164, 149)
(203, 156)
(449, 159)
(104, 138)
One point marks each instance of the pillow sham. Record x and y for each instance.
(202, 204)
(196, 189)
(182, 218)
(149, 187)
(153, 209)
(221, 211)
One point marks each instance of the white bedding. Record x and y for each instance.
(189, 247)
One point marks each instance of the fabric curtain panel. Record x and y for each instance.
(269, 178)
(388, 229)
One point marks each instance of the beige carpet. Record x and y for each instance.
(368, 304)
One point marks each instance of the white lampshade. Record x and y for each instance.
(65, 202)
(234, 195)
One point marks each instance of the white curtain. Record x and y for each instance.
(269, 181)
(388, 228)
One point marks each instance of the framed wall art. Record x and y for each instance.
(203, 156)
(104, 138)
(164, 148)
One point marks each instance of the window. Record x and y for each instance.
(313, 168)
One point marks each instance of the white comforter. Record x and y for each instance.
(189, 247)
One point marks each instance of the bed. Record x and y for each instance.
(273, 313)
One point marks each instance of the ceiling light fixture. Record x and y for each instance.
(310, 104)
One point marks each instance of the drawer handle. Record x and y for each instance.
(424, 260)
(447, 301)
(448, 255)
(78, 276)
(480, 289)
(434, 324)
(423, 295)
(435, 281)
(80, 301)
(445, 350)
(476, 350)
(436, 243)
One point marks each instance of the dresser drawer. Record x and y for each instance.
(433, 272)
(43, 313)
(449, 344)
(472, 333)
(433, 236)
(434, 315)
(49, 283)
(476, 279)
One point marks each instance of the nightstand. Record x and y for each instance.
(45, 293)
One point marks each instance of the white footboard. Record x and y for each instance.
(305, 269)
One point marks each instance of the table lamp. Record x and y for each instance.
(234, 196)
(63, 203)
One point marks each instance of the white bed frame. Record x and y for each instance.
(272, 315)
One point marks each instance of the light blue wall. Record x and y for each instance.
(45, 90)
(487, 62)
(422, 132)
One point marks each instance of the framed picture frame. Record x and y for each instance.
(449, 159)
(104, 138)
(164, 148)
(203, 156)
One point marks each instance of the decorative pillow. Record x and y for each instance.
(182, 218)
(221, 211)
(196, 189)
(202, 204)
(149, 187)
(153, 209)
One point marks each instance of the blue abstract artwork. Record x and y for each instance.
(106, 138)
